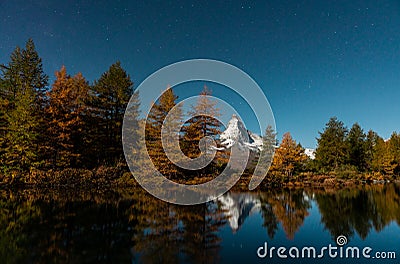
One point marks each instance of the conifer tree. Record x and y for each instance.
(269, 144)
(23, 86)
(356, 147)
(67, 105)
(133, 125)
(383, 160)
(204, 123)
(394, 148)
(288, 158)
(205, 113)
(154, 124)
(20, 140)
(331, 151)
(111, 94)
(370, 143)
(4, 102)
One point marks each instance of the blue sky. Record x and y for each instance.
(313, 59)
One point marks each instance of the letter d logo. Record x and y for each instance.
(262, 251)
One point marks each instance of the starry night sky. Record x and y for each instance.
(313, 59)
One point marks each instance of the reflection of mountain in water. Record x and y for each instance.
(238, 207)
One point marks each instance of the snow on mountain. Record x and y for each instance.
(310, 153)
(237, 134)
(256, 142)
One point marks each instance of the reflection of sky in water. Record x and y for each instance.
(121, 226)
(240, 246)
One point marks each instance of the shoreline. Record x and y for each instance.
(93, 180)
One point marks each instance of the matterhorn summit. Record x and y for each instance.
(237, 134)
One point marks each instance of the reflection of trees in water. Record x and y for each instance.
(201, 242)
(168, 233)
(43, 226)
(63, 227)
(345, 212)
(105, 227)
(157, 230)
(288, 207)
(16, 217)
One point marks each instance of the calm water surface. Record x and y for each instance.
(130, 226)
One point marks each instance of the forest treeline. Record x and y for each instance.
(72, 127)
(341, 153)
(70, 124)
(75, 127)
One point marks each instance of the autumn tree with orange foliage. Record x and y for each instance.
(65, 119)
(154, 125)
(204, 123)
(289, 157)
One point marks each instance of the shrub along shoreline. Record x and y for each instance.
(119, 177)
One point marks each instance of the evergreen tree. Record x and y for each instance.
(133, 126)
(20, 141)
(23, 86)
(265, 157)
(370, 143)
(383, 160)
(394, 148)
(3, 110)
(110, 96)
(269, 144)
(25, 72)
(331, 150)
(356, 147)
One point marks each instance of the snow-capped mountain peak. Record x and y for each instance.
(236, 133)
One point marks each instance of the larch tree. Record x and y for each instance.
(133, 127)
(289, 157)
(204, 123)
(154, 125)
(384, 159)
(370, 143)
(394, 148)
(65, 110)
